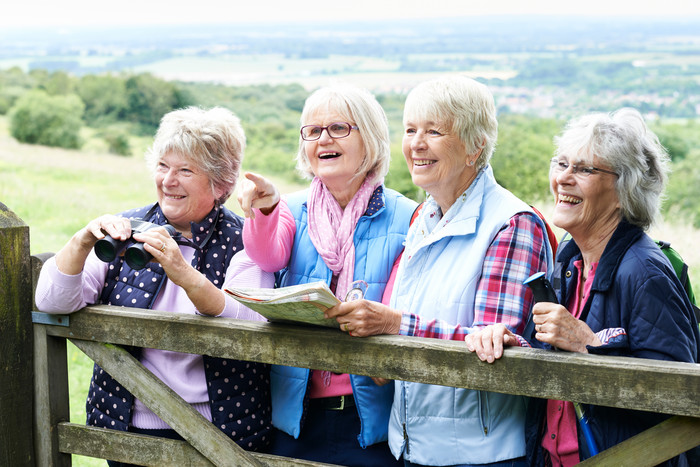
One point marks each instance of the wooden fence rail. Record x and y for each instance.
(99, 331)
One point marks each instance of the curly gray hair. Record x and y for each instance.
(624, 142)
(212, 140)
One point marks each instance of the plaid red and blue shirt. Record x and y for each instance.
(518, 251)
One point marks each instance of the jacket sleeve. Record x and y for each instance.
(57, 292)
(268, 239)
(657, 320)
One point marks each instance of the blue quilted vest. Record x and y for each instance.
(109, 405)
(378, 238)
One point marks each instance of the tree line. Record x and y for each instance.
(51, 108)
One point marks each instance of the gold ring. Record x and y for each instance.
(345, 326)
(162, 249)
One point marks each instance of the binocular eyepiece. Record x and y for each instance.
(135, 254)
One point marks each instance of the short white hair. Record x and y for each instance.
(463, 105)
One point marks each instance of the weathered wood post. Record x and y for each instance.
(16, 352)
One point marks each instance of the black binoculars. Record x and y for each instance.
(135, 254)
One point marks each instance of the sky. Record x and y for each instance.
(27, 13)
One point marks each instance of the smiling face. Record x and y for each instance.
(585, 206)
(184, 191)
(336, 161)
(437, 160)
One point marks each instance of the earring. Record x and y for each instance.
(471, 163)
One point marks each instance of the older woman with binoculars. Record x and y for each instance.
(195, 160)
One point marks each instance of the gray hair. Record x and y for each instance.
(213, 140)
(465, 106)
(357, 106)
(622, 141)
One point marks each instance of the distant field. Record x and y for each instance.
(378, 74)
(235, 70)
(648, 58)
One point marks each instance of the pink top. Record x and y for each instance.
(561, 440)
(184, 373)
(268, 241)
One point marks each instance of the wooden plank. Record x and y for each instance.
(37, 262)
(51, 401)
(641, 384)
(16, 353)
(109, 444)
(653, 446)
(164, 402)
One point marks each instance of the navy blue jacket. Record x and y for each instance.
(109, 405)
(635, 288)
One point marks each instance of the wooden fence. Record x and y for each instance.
(35, 427)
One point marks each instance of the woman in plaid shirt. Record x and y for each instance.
(466, 257)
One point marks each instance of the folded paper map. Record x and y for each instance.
(303, 303)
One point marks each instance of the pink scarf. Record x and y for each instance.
(332, 229)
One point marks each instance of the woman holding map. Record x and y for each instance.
(347, 226)
(467, 255)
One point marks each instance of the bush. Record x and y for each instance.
(117, 141)
(38, 118)
(8, 97)
(104, 97)
(149, 98)
(521, 160)
(683, 191)
(399, 177)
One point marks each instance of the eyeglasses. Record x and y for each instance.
(559, 166)
(335, 130)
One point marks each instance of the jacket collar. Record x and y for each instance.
(462, 217)
(201, 231)
(374, 206)
(624, 236)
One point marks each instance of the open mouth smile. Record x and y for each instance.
(329, 155)
(569, 199)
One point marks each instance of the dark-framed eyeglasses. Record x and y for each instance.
(559, 165)
(335, 130)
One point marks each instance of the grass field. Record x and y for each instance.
(56, 192)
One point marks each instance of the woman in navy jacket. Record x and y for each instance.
(620, 294)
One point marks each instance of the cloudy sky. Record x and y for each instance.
(23, 13)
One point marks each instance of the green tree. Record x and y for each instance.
(15, 77)
(399, 178)
(105, 98)
(13, 83)
(60, 83)
(679, 139)
(149, 98)
(117, 139)
(38, 118)
(683, 191)
(521, 160)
